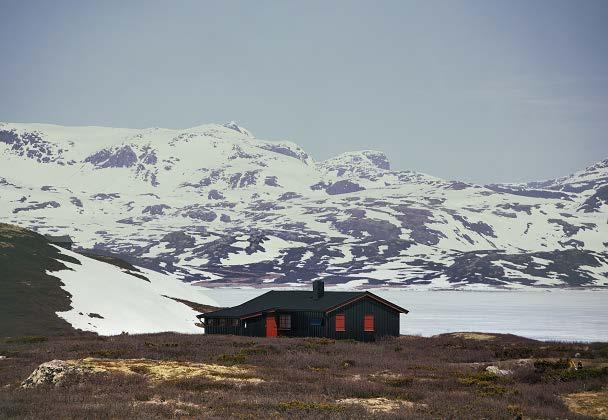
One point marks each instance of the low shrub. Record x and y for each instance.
(487, 384)
(26, 339)
(399, 382)
(309, 406)
(315, 342)
(142, 370)
(233, 359)
(196, 384)
(303, 378)
(243, 343)
(106, 354)
(259, 349)
(542, 366)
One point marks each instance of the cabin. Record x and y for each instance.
(361, 316)
(64, 241)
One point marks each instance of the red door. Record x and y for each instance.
(271, 326)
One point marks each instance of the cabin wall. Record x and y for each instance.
(301, 324)
(386, 321)
(216, 329)
(255, 327)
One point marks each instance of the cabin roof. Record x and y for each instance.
(296, 300)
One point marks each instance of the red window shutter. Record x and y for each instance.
(340, 323)
(368, 323)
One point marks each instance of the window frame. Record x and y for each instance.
(343, 322)
(285, 326)
(366, 319)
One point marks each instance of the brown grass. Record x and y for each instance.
(380, 404)
(162, 370)
(474, 336)
(173, 375)
(593, 404)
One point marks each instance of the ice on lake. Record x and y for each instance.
(569, 315)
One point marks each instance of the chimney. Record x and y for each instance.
(318, 288)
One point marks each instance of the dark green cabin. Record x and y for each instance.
(360, 316)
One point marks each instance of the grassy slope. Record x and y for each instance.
(29, 297)
(442, 377)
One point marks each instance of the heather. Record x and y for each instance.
(177, 376)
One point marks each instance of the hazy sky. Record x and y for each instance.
(481, 91)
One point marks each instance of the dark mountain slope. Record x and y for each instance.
(30, 297)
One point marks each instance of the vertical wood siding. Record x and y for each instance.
(386, 323)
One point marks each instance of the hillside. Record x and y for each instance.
(47, 290)
(215, 204)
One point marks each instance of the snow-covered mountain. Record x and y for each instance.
(215, 204)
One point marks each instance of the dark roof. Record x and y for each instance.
(295, 300)
(58, 239)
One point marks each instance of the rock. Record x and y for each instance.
(157, 209)
(2, 357)
(343, 187)
(53, 373)
(494, 370)
(271, 181)
(290, 150)
(215, 195)
(116, 157)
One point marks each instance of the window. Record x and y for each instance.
(235, 322)
(316, 322)
(222, 322)
(368, 323)
(284, 322)
(340, 323)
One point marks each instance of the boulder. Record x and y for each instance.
(53, 373)
(495, 370)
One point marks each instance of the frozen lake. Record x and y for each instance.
(569, 315)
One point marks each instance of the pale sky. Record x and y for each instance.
(482, 91)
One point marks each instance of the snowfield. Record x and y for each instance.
(108, 301)
(215, 205)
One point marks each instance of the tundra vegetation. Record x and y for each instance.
(177, 376)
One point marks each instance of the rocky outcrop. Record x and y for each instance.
(343, 187)
(54, 373)
(119, 157)
(496, 371)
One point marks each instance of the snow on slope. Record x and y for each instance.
(214, 203)
(124, 302)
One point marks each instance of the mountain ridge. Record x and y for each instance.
(216, 205)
